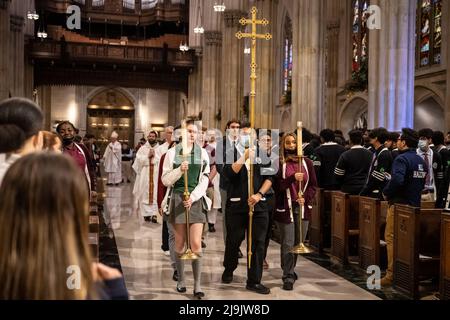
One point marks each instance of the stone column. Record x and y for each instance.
(16, 70)
(45, 102)
(266, 72)
(232, 62)
(308, 70)
(332, 59)
(391, 66)
(4, 48)
(211, 82)
(195, 91)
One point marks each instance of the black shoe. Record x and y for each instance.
(227, 277)
(258, 288)
(175, 276)
(181, 290)
(240, 255)
(288, 286)
(203, 245)
(155, 219)
(109, 184)
(199, 295)
(211, 228)
(148, 219)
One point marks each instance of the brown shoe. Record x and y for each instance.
(386, 282)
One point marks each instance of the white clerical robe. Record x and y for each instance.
(113, 162)
(141, 190)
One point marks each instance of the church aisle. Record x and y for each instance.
(148, 274)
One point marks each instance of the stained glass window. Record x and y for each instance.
(287, 59)
(360, 34)
(429, 32)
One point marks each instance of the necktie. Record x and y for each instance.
(427, 163)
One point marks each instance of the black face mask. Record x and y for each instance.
(68, 141)
(291, 152)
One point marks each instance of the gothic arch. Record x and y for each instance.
(424, 92)
(124, 91)
(429, 111)
(351, 111)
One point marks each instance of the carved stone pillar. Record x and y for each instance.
(4, 48)
(233, 66)
(211, 82)
(308, 71)
(16, 69)
(332, 59)
(266, 72)
(392, 66)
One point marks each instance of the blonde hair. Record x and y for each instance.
(44, 230)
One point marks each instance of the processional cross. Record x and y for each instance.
(254, 22)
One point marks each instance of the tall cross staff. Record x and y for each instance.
(254, 22)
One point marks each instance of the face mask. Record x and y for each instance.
(423, 145)
(291, 152)
(67, 141)
(245, 141)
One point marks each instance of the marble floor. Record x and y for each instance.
(148, 273)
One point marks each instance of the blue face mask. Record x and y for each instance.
(423, 145)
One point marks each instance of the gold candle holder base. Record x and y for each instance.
(189, 255)
(301, 249)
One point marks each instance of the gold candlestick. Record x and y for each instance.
(188, 254)
(300, 248)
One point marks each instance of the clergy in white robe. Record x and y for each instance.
(146, 199)
(113, 160)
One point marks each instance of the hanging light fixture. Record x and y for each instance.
(183, 45)
(199, 29)
(42, 34)
(219, 7)
(32, 15)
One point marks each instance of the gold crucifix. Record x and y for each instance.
(254, 22)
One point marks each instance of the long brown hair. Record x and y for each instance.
(44, 230)
(283, 157)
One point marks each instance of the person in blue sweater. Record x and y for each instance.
(409, 172)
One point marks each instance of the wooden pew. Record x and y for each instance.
(428, 205)
(445, 256)
(344, 225)
(94, 244)
(416, 247)
(372, 221)
(94, 228)
(369, 232)
(317, 229)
